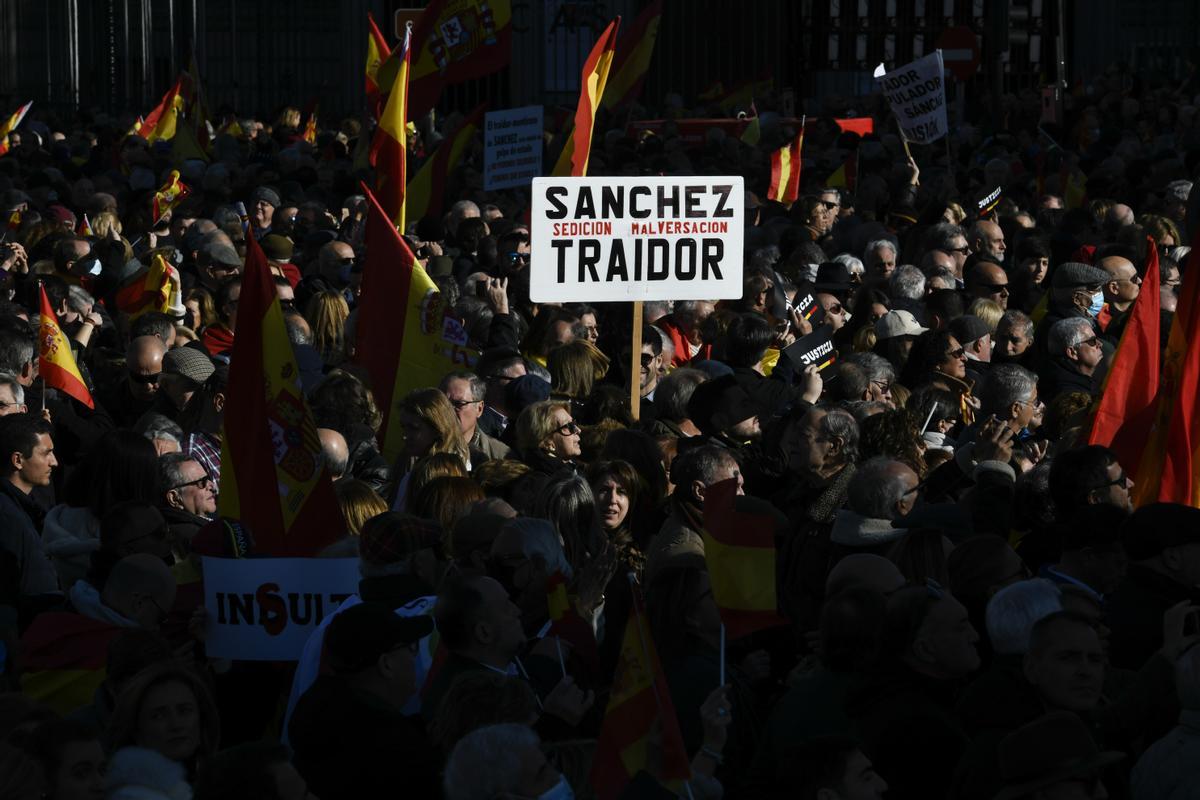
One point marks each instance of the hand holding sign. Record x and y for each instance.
(815, 350)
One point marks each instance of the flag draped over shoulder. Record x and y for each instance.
(1126, 411)
(389, 148)
(632, 58)
(148, 291)
(11, 124)
(591, 90)
(739, 549)
(785, 171)
(407, 336)
(1169, 467)
(169, 196)
(426, 192)
(273, 478)
(56, 362)
(455, 41)
(639, 702)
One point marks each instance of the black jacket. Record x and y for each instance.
(1135, 614)
(351, 745)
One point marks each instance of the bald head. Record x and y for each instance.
(140, 588)
(337, 453)
(1124, 284)
(143, 363)
(863, 571)
(986, 237)
(988, 281)
(1119, 216)
(330, 259)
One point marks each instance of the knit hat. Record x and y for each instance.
(395, 538)
(190, 363)
(267, 195)
(1073, 274)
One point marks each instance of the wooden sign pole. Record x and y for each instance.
(635, 364)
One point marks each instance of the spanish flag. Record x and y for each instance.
(84, 227)
(845, 176)
(632, 59)
(639, 702)
(591, 90)
(1126, 411)
(160, 123)
(11, 124)
(739, 549)
(310, 126)
(567, 624)
(456, 41)
(785, 171)
(389, 149)
(56, 363)
(270, 453)
(14, 219)
(63, 658)
(147, 291)
(399, 297)
(426, 192)
(377, 53)
(1170, 468)
(169, 196)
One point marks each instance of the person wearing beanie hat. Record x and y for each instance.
(349, 732)
(263, 202)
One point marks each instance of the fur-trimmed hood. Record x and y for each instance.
(854, 530)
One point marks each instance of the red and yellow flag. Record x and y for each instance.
(845, 176)
(160, 123)
(310, 126)
(739, 549)
(11, 124)
(14, 219)
(389, 149)
(84, 227)
(785, 171)
(63, 659)
(398, 296)
(1126, 410)
(632, 59)
(270, 453)
(147, 291)
(639, 702)
(169, 196)
(591, 90)
(56, 362)
(426, 192)
(377, 53)
(456, 41)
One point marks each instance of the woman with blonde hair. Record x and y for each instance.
(201, 308)
(430, 426)
(104, 224)
(987, 310)
(359, 502)
(326, 314)
(548, 438)
(1162, 230)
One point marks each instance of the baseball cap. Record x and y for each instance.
(358, 636)
(897, 323)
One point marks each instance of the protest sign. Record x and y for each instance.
(917, 94)
(512, 147)
(264, 609)
(643, 238)
(808, 308)
(816, 349)
(987, 204)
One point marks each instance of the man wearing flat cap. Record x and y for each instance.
(1076, 290)
(976, 340)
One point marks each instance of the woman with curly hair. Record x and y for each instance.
(894, 434)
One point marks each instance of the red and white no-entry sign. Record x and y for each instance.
(960, 51)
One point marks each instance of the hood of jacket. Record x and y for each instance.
(137, 772)
(854, 530)
(70, 531)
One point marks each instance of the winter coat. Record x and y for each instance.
(137, 773)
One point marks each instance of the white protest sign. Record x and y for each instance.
(512, 147)
(917, 94)
(644, 238)
(263, 609)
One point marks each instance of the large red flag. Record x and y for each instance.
(273, 477)
(1126, 411)
(785, 171)
(591, 90)
(389, 147)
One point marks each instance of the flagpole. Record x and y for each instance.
(722, 680)
(635, 364)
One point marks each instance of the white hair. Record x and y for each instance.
(485, 763)
(1014, 610)
(14, 386)
(1068, 332)
(852, 263)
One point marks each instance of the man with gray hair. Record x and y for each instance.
(868, 377)
(881, 491)
(988, 239)
(12, 395)
(879, 261)
(907, 283)
(671, 401)
(186, 496)
(1014, 610)
(1175, 199)
(1010, 394)
(951, 240)
(1013, 338)
(682, 325)
(1075, 353)
(503, 760)
(467, 392)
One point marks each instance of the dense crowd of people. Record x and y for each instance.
(972, 607)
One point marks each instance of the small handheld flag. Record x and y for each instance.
(56, 363)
